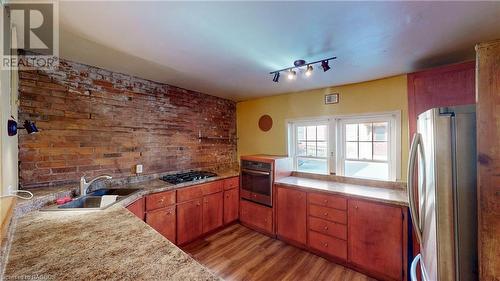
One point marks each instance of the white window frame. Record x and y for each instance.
(335, 133)
(293, 141)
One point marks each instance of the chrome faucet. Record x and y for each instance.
(84, 185)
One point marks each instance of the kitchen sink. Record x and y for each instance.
(114, 191)
(97, 200)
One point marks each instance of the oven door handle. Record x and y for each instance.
(253, 172)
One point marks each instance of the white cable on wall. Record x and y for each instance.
(14, 194)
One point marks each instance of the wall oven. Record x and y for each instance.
(257, 182)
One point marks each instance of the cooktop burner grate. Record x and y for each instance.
(188, 176)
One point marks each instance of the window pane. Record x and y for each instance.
(380, 131)
(301, 133)
(301, 148)
(365, 150)
(322, 149)
(380, 151)
(318, 166)
(365, 132)
(321, 132)
(351, 150)
(311, 132)
(368, 170)
(351, 132)
(311, 148)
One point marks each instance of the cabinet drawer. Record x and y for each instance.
(330, 201)
(328, 245)
(328, 214)
(189, 193)
(231, 183)
(160, 200)
(256, 215)
(333, 229)
(212, 187)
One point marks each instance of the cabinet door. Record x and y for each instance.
(376, 238)
(212, 211)
(442, 86)
(291, 214)
(163, 221)
(137, 208)
(189, 221)
(231, 199)
(257, 216)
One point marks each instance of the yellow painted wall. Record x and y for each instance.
(381, 95)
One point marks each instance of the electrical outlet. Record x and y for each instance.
(138, 169)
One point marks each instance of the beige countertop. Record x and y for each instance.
(111, 244)
(384, 195)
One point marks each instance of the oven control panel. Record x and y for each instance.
(254, 165)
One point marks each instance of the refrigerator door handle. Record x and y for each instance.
(415, 215)
(413, 268)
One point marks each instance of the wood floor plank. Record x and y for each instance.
(241, 254)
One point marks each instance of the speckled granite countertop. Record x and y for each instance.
(385, 195)
(111, 244)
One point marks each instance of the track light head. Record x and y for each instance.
(325, 66)
(309, 70)
(276, 77)
(291, 74)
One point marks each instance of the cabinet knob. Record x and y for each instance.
(356, 207)
(326, 227)
(326, 201)
(227, 196)
(325, 245)
(161, 200)
(325, 214)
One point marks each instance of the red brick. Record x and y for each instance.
(94, 121)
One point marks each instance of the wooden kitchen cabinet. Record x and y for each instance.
(291, 215)
(375, 240)
(189, 221)
(231, 183)
(442, 86)
(137, 208)
(258, 216)
(160, 200)
(164, 221)
(212, 211)
(231, 202)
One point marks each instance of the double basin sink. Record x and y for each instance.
(97, 200)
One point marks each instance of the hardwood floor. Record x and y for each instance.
(238, 253)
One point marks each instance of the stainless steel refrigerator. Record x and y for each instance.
(442, 194)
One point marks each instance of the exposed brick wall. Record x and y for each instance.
(94, 121)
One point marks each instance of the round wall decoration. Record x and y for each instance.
(265, 123)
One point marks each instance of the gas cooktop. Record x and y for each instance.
(188, 176)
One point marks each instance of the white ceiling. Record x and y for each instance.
(227, 49)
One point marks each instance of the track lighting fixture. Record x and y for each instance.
(12, 127)
(276, 77)
(309, 70)
(298, 64)
(325, 66)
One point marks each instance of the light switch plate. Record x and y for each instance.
(138, 169)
